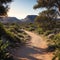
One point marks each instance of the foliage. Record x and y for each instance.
(4, 55)
(39, 30)
(49, 4)
(2, 30)
(56, 42)
(51, 11)
(48, 32)
(47, 21)
(9, 36)
(4, 6)
(47, 17)
(56, 39)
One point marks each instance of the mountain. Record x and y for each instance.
(29, 19)
(10, 20)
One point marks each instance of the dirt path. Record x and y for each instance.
(34, 49)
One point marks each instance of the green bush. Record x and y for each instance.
(9, 36)
(2, 30)
(40, 31)
(56, 41)
(48, 32)
(57, 36)
(4, 54)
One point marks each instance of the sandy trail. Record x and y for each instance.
(34, 49)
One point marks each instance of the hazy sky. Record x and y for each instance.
(22, 8)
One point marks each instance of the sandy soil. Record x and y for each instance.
(33, 50)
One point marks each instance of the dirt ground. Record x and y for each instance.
(33, 50)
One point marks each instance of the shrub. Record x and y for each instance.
(2, 30)
(4, 54)
(48, 32)
(57, 36)
(40, 31)
(56, 41)
(12, 38)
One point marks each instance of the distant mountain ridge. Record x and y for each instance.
(10, 20)
(29, 19)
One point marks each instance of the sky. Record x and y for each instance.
(22, 8)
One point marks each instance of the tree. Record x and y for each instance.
(49, 4)
(4, 7)
(46, 20)
(50, 13)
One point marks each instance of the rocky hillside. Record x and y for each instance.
(29, 19)
(10, 20)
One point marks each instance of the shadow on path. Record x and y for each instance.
(35, 49)
(28, 52)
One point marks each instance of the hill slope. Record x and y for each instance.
(29, 19)
(10, 20)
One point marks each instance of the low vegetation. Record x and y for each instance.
(4, 54)
(15, 37)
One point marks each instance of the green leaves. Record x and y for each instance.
(47, 4)
(3, 46)
(4, 6)
(5, 1)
